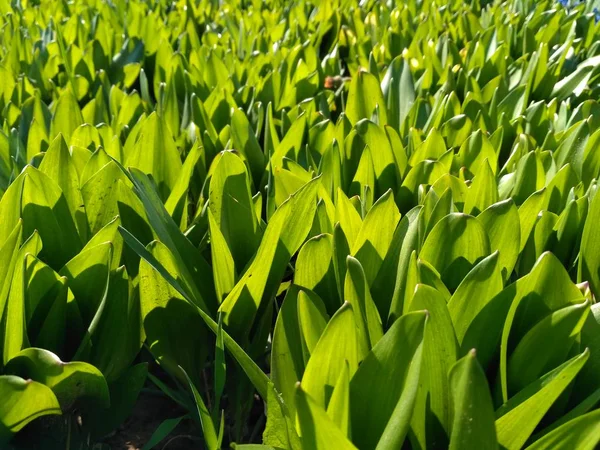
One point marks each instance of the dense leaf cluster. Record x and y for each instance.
(380, 217)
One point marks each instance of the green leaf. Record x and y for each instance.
(100, 194)
(314, 270)
(177, 203)
(22, 402)
(285, 232)
(14, 336)
(545, 346)
(163, 430)
(518, 417)
(363, 97)
(432, 408)
(45, 209)
(87, 275)
(483, 192)
(59, 166)
(223, 265)
(356, 292)
(113, 353)
(337, 346)
(409, 244)
(501, 222)
(454, 246)
(317, 431)
(67, 116)
(245, 142)
(255, 374)
(473, 411)
(589, 259)
(287, 361)
(528, 214)
(398, 90)
(375, 235)
(208, 428)
(194, 272)
(154, 153)
(173, 332)
(581, 433)
(232, 208)
(475, 291)
(339, 404)
(545, 289)
(280, 429)
(381, 385)
(75, 384)
(312, 319)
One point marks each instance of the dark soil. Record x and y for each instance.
(149, 412)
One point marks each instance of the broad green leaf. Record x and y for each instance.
(348, 217)
(9, 251)
(432, 409)
(356, 292)
(59, 166)
(314, 270)
(426, 172)
(245, 142)
(454, 246)
(545, 346)
(339, 405)
(287, 362)
(517, 418)
(581, 433)
(232, 208)
(363, 97)
(44, 208)
(473, 412)
(409, 244)
(337, 346)
(67, 116)
(74, 383)
(528, 213)
(589, 259)
(14, 336)
(255, 374)
(194, 271)
(174, 332)
(280, 429)
(285, 232)
(87, 276)
(154, 153)
(501, 222)
(375, 235)
(113, 353)
(177, 203)
(545, 289)
(317, 431)
(475, 291)
(483, 192)
(381, 384)
(387, 175)
(45, 298)
(398, 90)
(100, 195)
(22, 402)
(312, 319)
(223, 265)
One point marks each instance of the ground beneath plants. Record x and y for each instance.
(150, 411)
